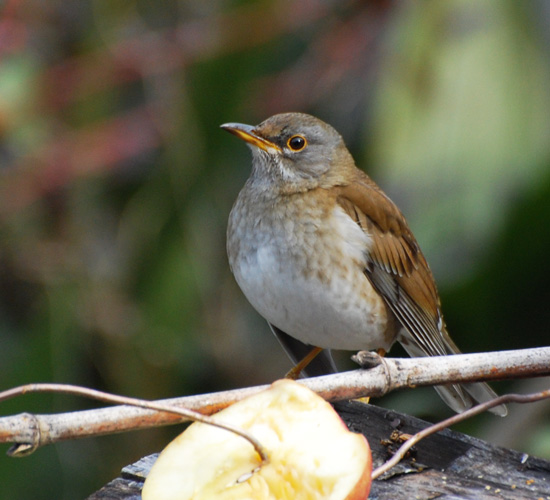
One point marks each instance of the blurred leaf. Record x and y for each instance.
(457, 134)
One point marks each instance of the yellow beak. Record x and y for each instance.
(248, 134)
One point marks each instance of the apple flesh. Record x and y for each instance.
(311, 453)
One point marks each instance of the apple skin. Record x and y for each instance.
(362, 488)
(311, 453)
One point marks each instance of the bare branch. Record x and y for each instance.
(28, 448)
(32, 431)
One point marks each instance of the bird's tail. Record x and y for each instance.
(459, 397)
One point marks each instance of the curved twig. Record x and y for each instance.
(23, 449)
(432, 429)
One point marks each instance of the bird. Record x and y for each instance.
(327, 258)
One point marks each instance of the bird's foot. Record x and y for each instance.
(368, 359)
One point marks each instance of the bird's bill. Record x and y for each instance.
(247, 134)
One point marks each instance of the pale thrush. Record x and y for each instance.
(327, 258)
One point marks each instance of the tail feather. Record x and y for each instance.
(481, 392)
(464, 396)
(459, 397)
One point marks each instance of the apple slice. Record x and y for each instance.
(311, 453)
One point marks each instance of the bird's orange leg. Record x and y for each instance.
(294, 373)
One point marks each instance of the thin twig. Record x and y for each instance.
(125, 400)
(432, 429)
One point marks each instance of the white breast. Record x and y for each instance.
(310, 283)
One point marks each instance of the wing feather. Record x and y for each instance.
(399, 272)
(398, 269)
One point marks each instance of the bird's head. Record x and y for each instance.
(295, 151)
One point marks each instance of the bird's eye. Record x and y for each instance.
(297, 143)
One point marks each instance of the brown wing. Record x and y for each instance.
(399, 272)
(397, 269)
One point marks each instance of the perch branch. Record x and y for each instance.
(30, 431)
(23, 449)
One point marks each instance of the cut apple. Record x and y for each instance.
(311, 453)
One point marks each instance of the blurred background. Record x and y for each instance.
(116, 184)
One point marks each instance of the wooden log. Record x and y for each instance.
(447, 466)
